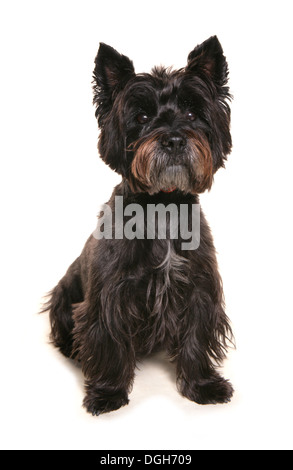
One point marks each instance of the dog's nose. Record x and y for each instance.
(173, 143)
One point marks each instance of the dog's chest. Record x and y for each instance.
(150, 297)
(173, 268)
(164, 298)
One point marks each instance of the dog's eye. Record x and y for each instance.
(142, 118)
(190, 115)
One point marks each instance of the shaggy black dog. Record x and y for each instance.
(133, 292)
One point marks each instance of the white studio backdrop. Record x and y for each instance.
(53, 184)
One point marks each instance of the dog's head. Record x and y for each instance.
(168, 129)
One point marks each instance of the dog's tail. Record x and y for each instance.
(60, 307)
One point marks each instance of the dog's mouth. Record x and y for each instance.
(169, 178)
(154, 170)
(169, 190)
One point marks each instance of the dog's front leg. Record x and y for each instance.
(203, 347)
(107, 362)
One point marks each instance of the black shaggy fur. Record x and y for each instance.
(166, 133)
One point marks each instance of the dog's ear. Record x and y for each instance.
(111, 73)
(208, 59)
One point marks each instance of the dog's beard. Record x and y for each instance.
(154, 170)
(169, 178)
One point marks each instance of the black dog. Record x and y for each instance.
(166, 133)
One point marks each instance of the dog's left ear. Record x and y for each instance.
(208, 59)
(111, 73)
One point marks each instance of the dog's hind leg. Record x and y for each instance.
(60, 304)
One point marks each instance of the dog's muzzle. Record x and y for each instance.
(165, 161)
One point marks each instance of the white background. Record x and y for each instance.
(53, 183)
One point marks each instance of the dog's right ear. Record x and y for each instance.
(111, 73)
(208, 60)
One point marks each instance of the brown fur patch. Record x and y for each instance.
(203, 161)
(145, 152)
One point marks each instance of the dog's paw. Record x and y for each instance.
(100, 403)
(209, 392)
